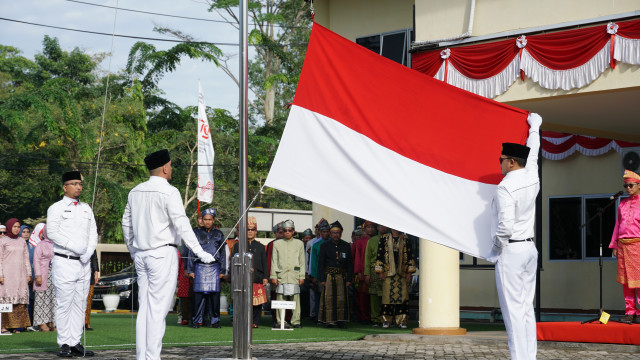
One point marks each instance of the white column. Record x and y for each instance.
(439, 290)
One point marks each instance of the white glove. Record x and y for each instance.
(78, 248)
(534, 120)
(206, 258)
(86, 257)
(494, 254)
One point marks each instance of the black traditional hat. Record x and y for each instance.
(336, 225)
(71, 175)
(307, 232)
(157, 159)
(515, 150)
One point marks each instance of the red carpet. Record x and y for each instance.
(611, 333)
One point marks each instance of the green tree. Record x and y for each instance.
(52, 110)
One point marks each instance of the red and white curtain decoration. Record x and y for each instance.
(561, 60)
(558, 146)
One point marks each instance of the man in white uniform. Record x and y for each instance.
(72, 229)
(153, 223)
(514, 250)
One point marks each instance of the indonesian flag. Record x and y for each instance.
(205, 153)
(378, 140)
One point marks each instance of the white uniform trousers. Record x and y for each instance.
(516, 283)
(157, 278)
(71, 282)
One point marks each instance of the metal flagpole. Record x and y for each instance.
(242, 315)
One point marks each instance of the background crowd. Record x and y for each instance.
(331, 280)
(26, 278)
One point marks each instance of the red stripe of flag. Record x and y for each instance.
(412, 114)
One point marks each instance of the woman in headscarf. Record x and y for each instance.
(45, 297)
(15, 275)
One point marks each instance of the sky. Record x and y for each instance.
(180, 86)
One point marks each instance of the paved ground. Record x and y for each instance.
(478, 345)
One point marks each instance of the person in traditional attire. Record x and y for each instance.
(374, 282)
(278, 232)
(514, 252)
(358, 251)
(335, 272)
(394, 265)
(625, 243)
(206, 277)
(45, 297)
(260, 275)
(72, 229)
(153, 223)
(93, 279)
(228, 254)
(287, 271)
(307, 302)
(15, 276)
(323, 236)
(185, 287)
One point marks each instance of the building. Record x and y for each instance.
(588, 113)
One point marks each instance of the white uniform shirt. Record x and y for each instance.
(155, 216)
(69, 224)
(514, 206)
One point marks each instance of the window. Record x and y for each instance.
(568, 240)
(392, 45)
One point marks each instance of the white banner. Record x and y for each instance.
(205, 153)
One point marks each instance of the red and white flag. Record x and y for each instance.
(205, 153)
(378, 140)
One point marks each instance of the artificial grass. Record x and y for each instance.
(117, 331)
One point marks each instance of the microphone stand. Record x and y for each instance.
(599, 216)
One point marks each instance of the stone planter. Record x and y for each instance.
(110, 301)
(224, 303)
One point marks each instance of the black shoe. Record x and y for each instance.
(78, 350)
(65, 351)
(216, 325)
(297, 326)
(195, 326)
(88, 328)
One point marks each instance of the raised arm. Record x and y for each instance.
(533, 142)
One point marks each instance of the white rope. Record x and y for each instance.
(104, 107)
(241, 217)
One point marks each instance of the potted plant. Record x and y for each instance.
(111, 300)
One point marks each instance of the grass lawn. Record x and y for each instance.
(117, 331)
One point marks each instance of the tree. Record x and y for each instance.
(280, 32)
(52, 108)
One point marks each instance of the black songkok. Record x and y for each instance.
(71, 175)
(157, 159)
(515, 150)
(336, 225)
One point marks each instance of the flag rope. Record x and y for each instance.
(237, 222)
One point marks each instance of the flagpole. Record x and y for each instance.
(242, 318)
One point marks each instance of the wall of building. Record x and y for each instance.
(445, 19)
(355, 18)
